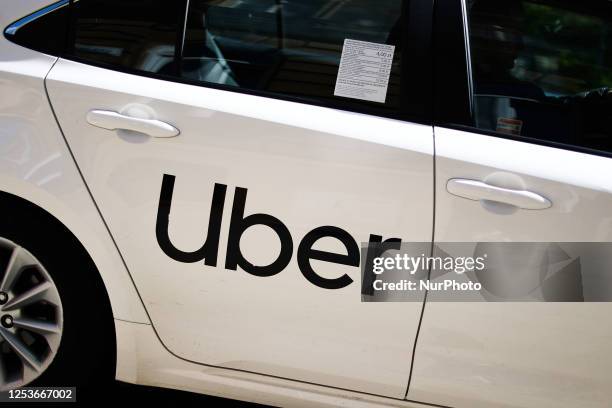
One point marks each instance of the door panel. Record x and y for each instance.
(308, 167)
(519, 354)
(526, 111)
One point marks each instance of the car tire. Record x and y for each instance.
(85, 357)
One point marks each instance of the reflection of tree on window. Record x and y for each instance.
(567, 52)
(496, 44)
(542, 70)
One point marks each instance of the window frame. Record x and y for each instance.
(453, 80)
(416, 101)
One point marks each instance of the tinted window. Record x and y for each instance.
(45, 30)
(290, 47)
(132, 34)
(344, 54)
(543, 70)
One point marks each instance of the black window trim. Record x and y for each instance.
(451, 93)
(453, 100)
(468, 56)
(180, 39)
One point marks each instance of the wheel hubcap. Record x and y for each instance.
(30, 317)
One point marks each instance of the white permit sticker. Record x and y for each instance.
(364, 70)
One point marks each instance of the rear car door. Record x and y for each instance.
(239, 172)
(525, 120)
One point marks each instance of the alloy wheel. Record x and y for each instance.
(30, 317)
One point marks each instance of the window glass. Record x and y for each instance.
(543, 69)
(131, 34)
(45, 30)
(289, 47)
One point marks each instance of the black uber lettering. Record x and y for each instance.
(239, 224)
(208, 252)
(306, 253)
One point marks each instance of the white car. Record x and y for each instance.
(186, 185)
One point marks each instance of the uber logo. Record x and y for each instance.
(239, 223)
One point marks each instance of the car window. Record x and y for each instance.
(543, 70)
(342, 54)
(295, 47)
(45, 30)
(132, 34)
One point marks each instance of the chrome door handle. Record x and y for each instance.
(115, 121)
(478, 190)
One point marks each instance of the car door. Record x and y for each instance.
(239, 172)
(526, 117)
